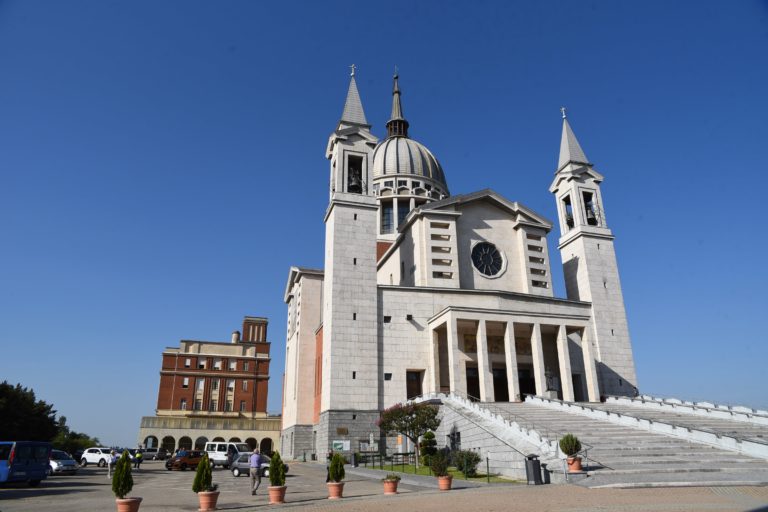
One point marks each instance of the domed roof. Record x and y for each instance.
(402, 156)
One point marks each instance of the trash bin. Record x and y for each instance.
(533, 469)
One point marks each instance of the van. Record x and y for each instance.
(24, 461)
(218, 452)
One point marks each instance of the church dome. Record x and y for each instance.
(398, 156)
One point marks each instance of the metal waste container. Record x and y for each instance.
(533, 469)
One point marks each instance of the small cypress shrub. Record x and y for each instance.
(276, 471)
(427, 447)
(122, 480)
(439, 464)
(203, 477)
(336, 471)
(570, 445)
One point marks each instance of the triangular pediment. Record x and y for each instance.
(518, 212)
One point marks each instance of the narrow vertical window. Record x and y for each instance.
(590, 209)
(402, 213)
(386, 217)
(355, 174)
(568, 209)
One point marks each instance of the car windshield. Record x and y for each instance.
(59, 455)
(242, 447)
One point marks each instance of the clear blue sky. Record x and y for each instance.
(162, 165)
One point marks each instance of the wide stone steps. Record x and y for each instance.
(619, 455)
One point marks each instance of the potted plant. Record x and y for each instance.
(570, 446)
(203, 485)
(390, 483)
(336, 475)
(276, 480)
(439, 466)
(122, 483)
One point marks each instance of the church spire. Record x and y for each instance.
(570, 150)
(397, 126)
(353, 107)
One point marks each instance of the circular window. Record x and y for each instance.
(487, 258)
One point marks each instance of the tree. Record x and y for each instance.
(427, 447)
(122, 480)
(23, 417)
(412, 420)
(70, 441)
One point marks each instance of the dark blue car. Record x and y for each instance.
(24, 461)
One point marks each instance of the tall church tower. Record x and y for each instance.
(589, 263)
(350, 370)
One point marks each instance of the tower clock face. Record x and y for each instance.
(487, 259)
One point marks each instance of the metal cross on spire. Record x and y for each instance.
(562, 111)
(352, 67)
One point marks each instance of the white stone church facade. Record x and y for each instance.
(426, 292)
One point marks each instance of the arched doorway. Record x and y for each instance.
(200, 443)
(252, 443)
(218, 439)
(186, 443)
(169, 443)
(235, 440)
(150, 442)
(266, 446)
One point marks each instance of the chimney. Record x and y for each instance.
(236, 337)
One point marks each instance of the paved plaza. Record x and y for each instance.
(165, 491)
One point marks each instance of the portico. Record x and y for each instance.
(500, 355)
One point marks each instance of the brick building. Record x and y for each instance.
(214, 391)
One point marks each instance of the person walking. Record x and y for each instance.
(138, 459)
(111, 462)
(255, 465)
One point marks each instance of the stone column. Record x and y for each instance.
(484, 364)
(564, 356)
(395, 214)
(590, 367)
(434, 360)
(457, 376)
(510, 357)
(537, 351)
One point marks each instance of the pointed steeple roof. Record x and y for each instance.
(397, 126)
(570, 150)
(353, 107)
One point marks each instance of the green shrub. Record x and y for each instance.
(122, 480)
(570, 445)
(336, 471)
(276, 471)
(203, 476)
(466, 461)
(392, 477)
(427, 447)
(439, 464)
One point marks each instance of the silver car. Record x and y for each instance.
(242, 465)
(61, 463)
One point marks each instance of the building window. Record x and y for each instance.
(233, 365)
(245, 366)
(230, 384)
(242, 405)
(198, 404)
(228, 406)
(200, 384)
(214, 405)
(386, 217)
(201, 364)
(215, 384)
(355, 174)
(217, 364)
(187, 363)
(402, 213)
(245, 385)
(387, 319)
(591, 209)
(185, 382)
(568, 208)
(183, 404)
(540, 284)
(387, 376)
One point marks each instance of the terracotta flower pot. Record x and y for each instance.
(444, 482)
(208, 500)
(128, 504)
(335, 490)
(276, 494)
(390, 486)
(574, 464)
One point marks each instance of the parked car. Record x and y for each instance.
(24, 461)
(218, 452)
(242, 465)
(184, 459)
(61, 463)
(155, 453)
(98, 456)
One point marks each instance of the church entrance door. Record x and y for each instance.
(500, 388)
(473, 383)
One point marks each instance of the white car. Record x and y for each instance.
(61, 463)
(98, 456)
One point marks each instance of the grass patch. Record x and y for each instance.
(410, 469)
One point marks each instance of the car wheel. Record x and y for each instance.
(34, 483)
(183, 467)
(266, 472)
(49, 472)
(235, 471)
(83, 462)
(102, 463)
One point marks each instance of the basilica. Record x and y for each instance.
(427, 292)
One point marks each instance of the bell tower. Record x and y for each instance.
(589, 263)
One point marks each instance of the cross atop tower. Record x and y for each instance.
(562, 111)
(352, 67)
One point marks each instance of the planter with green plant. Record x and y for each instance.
(122, 483)
(571, 446)
(439, 466)
(207, 491)
(276, 480)
(336, 476)
(390, 483)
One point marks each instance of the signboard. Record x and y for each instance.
(339, 445)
